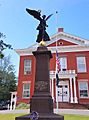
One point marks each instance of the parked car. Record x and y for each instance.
(3, 105)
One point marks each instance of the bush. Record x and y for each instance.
(23, 106)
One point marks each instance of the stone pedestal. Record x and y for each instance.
(41, 101)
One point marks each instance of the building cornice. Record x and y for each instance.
(72, 48)
(60, 49)
(81, 44)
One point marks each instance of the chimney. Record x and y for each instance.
(60, 29)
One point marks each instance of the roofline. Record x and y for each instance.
(61, 49)
(55, 37)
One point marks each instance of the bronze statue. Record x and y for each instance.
(42, 26)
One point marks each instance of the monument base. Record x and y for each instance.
(42, 116)
(41, 104)
(41, 101)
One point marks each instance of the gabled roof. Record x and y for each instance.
(68, 37)
(65, 36)
(80, 42)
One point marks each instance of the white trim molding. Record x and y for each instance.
(81, 44)
(61, 49)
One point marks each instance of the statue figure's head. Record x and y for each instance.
(44, 16)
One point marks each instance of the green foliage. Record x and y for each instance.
(1, 56)
(3, 45)
(23, 106)
(7, 78)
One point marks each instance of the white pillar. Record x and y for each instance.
(75, 96)
(52, 88)
(57, 99)
(11, 101)
(71, 91)
(8, 106)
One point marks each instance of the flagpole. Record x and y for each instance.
(56, 63)
(56, 27)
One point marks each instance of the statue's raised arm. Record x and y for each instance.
(42, 26)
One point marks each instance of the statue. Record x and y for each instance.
(42, 26)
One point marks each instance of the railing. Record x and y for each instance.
(63, 72)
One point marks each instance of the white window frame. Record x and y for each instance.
(81, 64)
(26, 91)
(83, 88)
(27, 66)
(63, 63)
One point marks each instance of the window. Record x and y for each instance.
(26, 90)
(83, 89)
(27, 66)
(63, 63)
(81, 64)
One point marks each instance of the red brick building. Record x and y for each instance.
(73, 53)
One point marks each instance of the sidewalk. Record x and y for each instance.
(72, 111)
(60, 111)
(27, 111)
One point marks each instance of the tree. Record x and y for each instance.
(7, 72)
(7, 78)
(3, 45)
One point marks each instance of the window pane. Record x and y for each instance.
(63, 63)
(27, 66)
(83, 85)
(83, 93)
(83, 89)
(81, 64)
(26, 94)
(26, 86)
(26, 90)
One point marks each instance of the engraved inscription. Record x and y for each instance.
(41, 85)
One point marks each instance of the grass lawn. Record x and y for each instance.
(66, 117)
(9, 116)
(75, 117)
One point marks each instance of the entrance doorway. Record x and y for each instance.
(63, 91)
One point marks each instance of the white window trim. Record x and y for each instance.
(85, 70)
(61, 64)
(26, 82)
(28, 67)
(87, 88)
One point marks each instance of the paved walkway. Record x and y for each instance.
(60, 111)
(72, 111)
(14, 111)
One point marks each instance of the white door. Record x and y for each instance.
(63, 91)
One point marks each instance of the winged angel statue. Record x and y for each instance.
(42, 25)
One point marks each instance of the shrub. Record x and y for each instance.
(23, 106)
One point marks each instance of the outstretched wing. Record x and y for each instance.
(34, 13)
(49, 17)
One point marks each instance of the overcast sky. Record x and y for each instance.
(20, 28)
